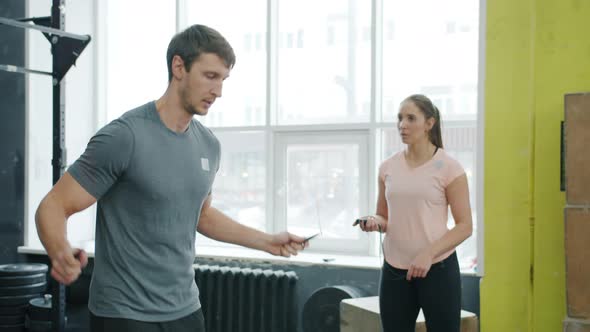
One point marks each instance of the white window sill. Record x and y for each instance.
(303, 258)
(254, 256)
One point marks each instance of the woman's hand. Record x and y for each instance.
(420, 265)
(370, 224)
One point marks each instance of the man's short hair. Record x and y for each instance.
(195, 40)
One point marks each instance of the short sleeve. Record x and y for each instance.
(452, 171)
(105, 159)
(387, 165)
(218, 151)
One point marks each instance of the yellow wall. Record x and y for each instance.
(536, 51)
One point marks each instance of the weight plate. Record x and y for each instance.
(12, 328)
(23, 289)
(22, 280)
(321, 312)
(40, 308)
(7, 301)
(10, 270)
(14, 310)
(12, 320)
(38, 326)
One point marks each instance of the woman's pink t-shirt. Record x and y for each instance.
(417, 205)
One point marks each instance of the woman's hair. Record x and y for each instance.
(196, 40)
(430, 111)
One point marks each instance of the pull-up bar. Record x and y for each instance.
(17, 69)
(18, 24)
(67, 48)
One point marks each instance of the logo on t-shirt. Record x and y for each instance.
(205, 164)
(438, 164)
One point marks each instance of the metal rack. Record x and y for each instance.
(65, 49)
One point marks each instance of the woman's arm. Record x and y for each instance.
(458, 197)
(378, 222)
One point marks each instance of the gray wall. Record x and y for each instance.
(12, 134)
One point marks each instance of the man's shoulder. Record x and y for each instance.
(139, 113)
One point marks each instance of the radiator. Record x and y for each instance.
(237, 299)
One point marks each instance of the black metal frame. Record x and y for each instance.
(65, 49)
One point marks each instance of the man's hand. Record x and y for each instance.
(67, 264)
(286, 244)
(420, 265)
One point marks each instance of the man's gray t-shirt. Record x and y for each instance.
(150, 183)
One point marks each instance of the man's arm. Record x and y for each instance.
(216, 225)
(65, 198)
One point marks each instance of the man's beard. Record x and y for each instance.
(188, 107)
(191, 110)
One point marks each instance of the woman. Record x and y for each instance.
(416, 186)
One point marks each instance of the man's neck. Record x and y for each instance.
(171, 112)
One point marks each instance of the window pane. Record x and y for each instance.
(434, 52)
(323, 189)
(244, 26)
(324, 61)
(136, 69)
(240, 184)
(459, 140)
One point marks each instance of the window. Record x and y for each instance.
(309, 111)
(240, 185)
(246, 87)
(319, 187)
(135, 67)
(317, 126)
(312, 180)
(328, 79)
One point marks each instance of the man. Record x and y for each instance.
(151, 172)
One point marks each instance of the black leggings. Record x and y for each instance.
(193, 323)
(438, 294)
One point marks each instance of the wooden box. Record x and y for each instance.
(362, 315)
(577, 262)
(577, 148)
(576, 325)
